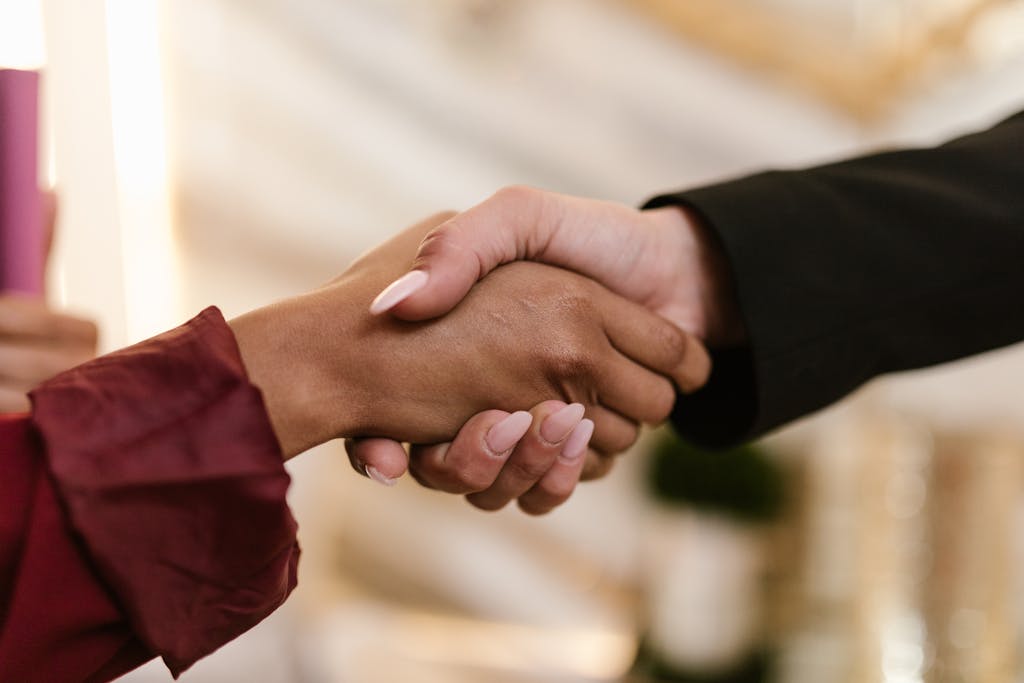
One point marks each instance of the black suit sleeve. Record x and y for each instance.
(887, 262)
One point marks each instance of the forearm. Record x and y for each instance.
(282, 348)
(878, 264)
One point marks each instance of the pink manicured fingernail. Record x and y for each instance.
(377, 476)
(507, 433)
(576, 444)
(398, 291)
(557, 426)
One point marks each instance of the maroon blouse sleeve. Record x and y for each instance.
(143, 512)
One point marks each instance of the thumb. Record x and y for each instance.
(458, 253)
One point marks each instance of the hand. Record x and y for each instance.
(541, 468)
(526, 333)
(36, 344)
(662, 258)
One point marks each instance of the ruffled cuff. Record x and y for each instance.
(164, 458)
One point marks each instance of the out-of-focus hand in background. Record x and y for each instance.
(36, 341)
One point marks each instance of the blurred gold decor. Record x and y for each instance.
(862, 56)
(910, 565)
(893, 557)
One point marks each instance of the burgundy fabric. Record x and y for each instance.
(143, 513)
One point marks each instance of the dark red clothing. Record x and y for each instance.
(143, 512)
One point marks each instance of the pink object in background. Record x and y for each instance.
(21, 219)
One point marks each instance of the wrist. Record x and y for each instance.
(719, 321)
(281, 347)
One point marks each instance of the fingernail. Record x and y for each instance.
(377, 476)
(398, 291)
(557, 426)
(507, 433)
(576, 444)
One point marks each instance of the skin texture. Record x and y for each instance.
(663, 259)
(525, 334)
(541, 472)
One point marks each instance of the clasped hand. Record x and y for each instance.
(533, 380)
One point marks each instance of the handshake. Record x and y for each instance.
(517, 346)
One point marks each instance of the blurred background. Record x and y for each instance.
(233, 152)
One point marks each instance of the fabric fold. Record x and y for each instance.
(166, 463)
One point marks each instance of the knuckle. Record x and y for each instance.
(517, 194)
(438, 240)
(672, 342)
(535, 206)
(473, 480)
(571, 359)
(458, 470)
(578, 295)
